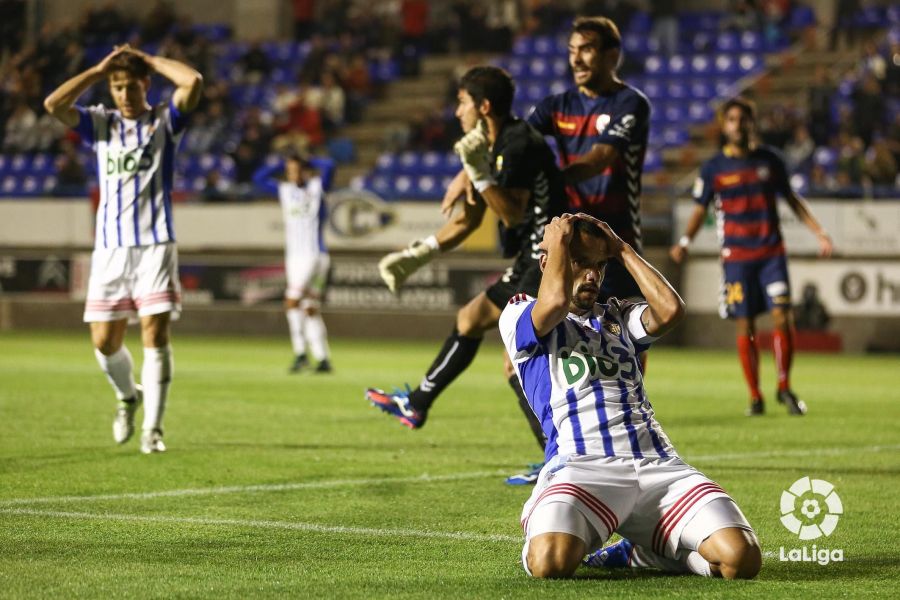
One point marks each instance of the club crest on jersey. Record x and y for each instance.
(612, 327)
(602, 121)
(498, 164)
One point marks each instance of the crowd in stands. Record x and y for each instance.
(264, 97)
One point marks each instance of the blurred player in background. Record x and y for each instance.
(743, 181)
(610, 467)
(134, 265)
(306, 259)
(601, 127)
(509, 169)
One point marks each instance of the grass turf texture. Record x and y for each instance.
(352, 519)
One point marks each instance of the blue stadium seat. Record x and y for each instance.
(545, 45)
(724, 87)
(432, 163)
(10, 185)
(700, 42)
(641, 22)
(4, 164)
(749, 63)
(800, 183)
(640, 44)
(699, 112)
(801, 17)
(677, 65)
(677, 89)
(516, 67)
(539, 68)
(892, 14)
(42, 165)
(20, 163)
(524, 46)
(654, 88)
(561, 67)
(386, 163)
(652, 161)
(701, 65)
(725, 64)
(655, 66)
(428, 186)
(452, 163)
(826, 158)
(727, 41)
(870, 17)
(702, 89)
(341, 149)
(751, 41)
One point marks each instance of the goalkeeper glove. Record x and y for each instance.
(474, 151)
(396, 267)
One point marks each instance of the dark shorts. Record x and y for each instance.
(523, 276)
(752, 287)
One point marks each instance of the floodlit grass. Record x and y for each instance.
(292, 486)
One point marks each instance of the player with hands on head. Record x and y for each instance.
(134, 265)
(743, 182)
(610, 467)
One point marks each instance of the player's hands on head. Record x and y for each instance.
(614, 243)
(103, 65)
(558, 232)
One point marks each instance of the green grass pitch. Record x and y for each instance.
(291, 486)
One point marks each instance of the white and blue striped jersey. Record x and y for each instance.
(135, 167)
(304, 217)
(583, 379)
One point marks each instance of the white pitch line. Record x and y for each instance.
(241, 489)
(809, 452)
(281, 487)
(252, 523)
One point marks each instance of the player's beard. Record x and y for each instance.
(585, 297)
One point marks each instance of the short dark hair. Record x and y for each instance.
(299, 158)
(744, 104)
(605, 29)
(131, 63)
(588, 227)
(492, 84)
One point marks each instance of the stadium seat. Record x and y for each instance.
(699, 112)
(544, 45)
(725, 64)
(654, 89)
(652, 161)
(702, 89)
(385, 163)
(751, 41)
(341, 149)
(677, 89)
(800, 183)
(561, 67)
(749, 63)
(42, 164)
(655, 66)
(727, 41)
(826, 158)
(539, 68)
(677, 66)
(524, 46)
(701, 65)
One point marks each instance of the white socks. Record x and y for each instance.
(295, 319)
(314, 330)
(119, 369)
(155, 377)
(693, 562)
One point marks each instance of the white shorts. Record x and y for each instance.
(131, 282)
(656, 504)
(306, 276)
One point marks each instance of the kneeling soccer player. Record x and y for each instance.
(610, 467)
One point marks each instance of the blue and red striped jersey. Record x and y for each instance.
(745, 190)
(621, 119)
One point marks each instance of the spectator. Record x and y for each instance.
(799, 149)
(810, 314)
(819, 98)
(70, 174)
(157, 23)
(329, 99)
(19, 133)
(255, 64)
(879, 166)
(873, 62)
(665, 25)
(868, 108)
(304, 12)
(742, 16)
(850, 160)
(844, 13)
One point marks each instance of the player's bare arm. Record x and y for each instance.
(665, 306)
(679, 251)
(555, 292)
(600, 157)
(508, 204)
(188, 82)
(803, 212)
(460, 226)
(459, 190)
(61, 101)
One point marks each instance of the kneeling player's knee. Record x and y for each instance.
(742, 561)
(551, 560)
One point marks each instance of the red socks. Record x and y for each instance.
(783, 346)
(749, 355)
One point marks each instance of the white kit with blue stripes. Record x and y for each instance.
(583, 379)
(135, 167)
(304, 217)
